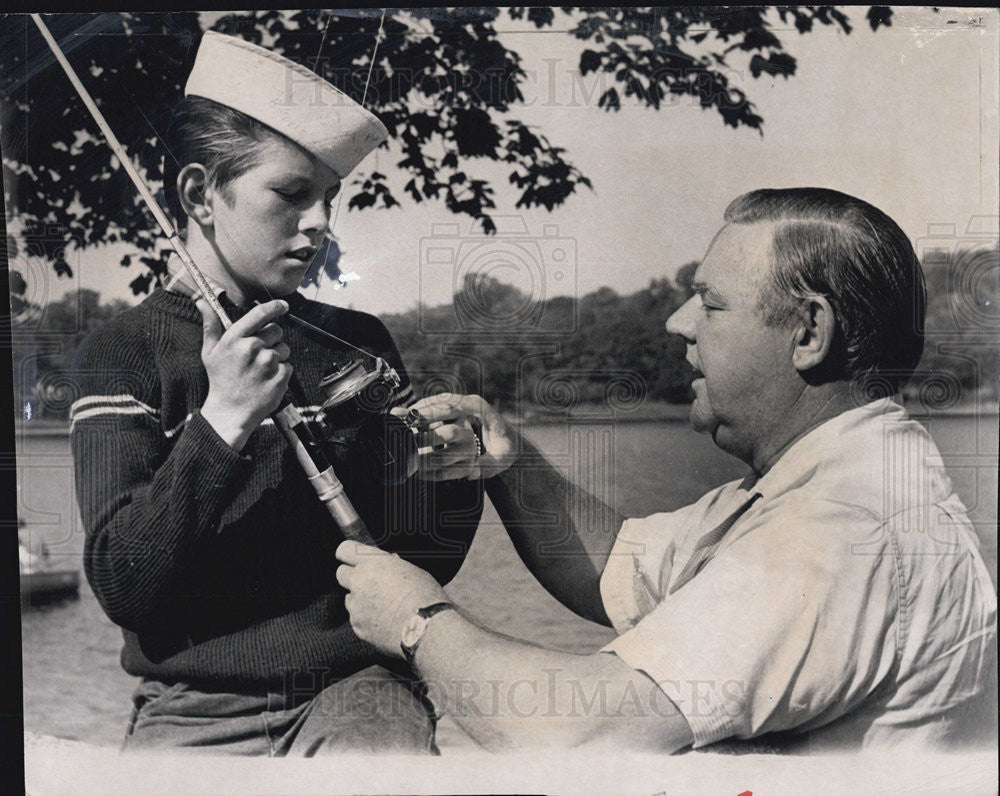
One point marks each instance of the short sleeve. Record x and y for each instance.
(785, 628)
(642, 558)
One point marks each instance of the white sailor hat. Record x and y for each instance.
(286, 97)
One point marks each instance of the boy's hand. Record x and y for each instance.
(248, 370)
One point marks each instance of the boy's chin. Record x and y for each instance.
(281, 287)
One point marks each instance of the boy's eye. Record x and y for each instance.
(289, 196)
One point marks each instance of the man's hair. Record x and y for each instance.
(834, 245)
(224, 140)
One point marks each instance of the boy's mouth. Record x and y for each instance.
(304, 255)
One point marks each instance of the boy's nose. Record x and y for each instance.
(316, 219)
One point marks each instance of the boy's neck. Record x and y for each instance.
(206, 257)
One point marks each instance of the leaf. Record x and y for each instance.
(776, 64)
(62, 267)
(411, 189)
(609, 100)
(360, 201)
(475, 134)
(590, 61)
(140, 285)
(541, 16)
(879, 16)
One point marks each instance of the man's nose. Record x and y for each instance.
(682, 321)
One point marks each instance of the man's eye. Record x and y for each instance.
(289, 196)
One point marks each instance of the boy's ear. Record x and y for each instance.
(194, 193)
(814, 334)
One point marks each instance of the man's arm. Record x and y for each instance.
(506, 694)
(563, 534)
(512, 696)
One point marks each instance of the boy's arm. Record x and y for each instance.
(145, 502)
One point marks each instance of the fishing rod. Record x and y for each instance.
(286, 417)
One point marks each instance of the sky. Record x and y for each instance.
(905, 117)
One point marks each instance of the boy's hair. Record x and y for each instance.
(225, 141)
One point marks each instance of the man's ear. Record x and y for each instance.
(195, 194)
(814, 334)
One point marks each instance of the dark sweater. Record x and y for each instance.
(220, 566)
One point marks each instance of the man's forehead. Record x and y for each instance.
(738, 255)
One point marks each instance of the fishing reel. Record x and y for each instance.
(356, 413)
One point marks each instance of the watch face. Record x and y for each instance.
(413, 630)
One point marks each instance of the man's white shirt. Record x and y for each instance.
(850, 600)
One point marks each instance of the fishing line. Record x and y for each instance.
(364, 97)
(340, 197)
(322, 41)
(323, 332)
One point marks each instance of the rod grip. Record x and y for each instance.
(357, 531)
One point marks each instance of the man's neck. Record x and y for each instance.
(814, 406)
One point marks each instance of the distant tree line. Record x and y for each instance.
(557, 353)
(531, 353)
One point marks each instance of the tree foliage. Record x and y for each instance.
(444, 83)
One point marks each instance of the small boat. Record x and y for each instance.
(48, 585)
(41, 583)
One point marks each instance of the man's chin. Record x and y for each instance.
(701, 422)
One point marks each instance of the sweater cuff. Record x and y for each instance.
(221, 464)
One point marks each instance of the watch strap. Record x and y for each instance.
(428, 611)
(409, 651)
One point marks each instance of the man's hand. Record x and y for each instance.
(384, 592)
(451, 442)
(247, 367)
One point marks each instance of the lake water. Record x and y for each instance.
(75, 688)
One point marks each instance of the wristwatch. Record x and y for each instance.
(414, 628)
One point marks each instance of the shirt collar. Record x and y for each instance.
(180, 280)
(834, 440)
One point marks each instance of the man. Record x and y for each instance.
(837, 593)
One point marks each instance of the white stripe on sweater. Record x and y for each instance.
(176, 429)
(86, 414)
(118, 405)
(128, 400)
